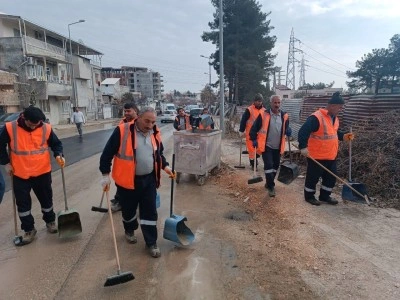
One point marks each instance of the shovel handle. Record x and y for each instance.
(172, 186)
(64, 190)
(350, 159)
(290, 150)
(14, 205)
(340, 179)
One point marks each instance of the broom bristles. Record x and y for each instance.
(119, 278)
(99, 209)
(255, 180)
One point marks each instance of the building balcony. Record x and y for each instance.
(44, 89)
(39, 48)
(9, 98)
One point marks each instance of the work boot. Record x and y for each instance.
(313, 201)
(271, 192)
(115, 206)
(330, 200)
(130, 237)
(29, 236)
(51, 227)
(154, 251)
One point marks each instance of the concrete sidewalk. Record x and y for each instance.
(67, 130)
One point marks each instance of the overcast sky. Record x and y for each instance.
(165, 35)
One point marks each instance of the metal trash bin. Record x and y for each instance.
(197, 152)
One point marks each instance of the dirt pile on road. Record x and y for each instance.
(376, 158)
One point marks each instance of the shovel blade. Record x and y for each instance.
(69, 223)
(288, 172)
(176, 231)
(349, 195)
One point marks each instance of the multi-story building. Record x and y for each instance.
(42, 59)
(9, 101)
(147, 82)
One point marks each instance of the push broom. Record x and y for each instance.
(100, 208)
(255, 179)
(120, 277)
(240, 166)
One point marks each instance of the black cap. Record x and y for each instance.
(336, 99)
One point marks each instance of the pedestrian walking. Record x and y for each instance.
(268, 137)
(78, 119)
(135, 150)
(131, 112)
(248, 118)
(28, 161)
(182, 121)
(318, 138)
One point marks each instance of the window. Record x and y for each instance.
(66, 106)
(44, 105)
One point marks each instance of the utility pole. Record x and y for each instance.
(290, 71)
(221, 69)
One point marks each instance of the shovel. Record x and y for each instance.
(347, 194)
(100, 208)
(175, 229)
(255, 179)
(240, 166)
(69, 223)
(365, 196)
(288, 171)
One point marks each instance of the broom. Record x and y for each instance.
(100, 208)
(240, 166)
(255, 179)
(120, 277)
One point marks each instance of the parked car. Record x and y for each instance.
(8, 117)
(168, 116)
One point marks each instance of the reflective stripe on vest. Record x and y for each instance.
(29, 151)
(122, 154)
(263, 133)
(323, 144)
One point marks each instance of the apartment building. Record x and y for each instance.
(9, 101)
(138, 79)
(43, 61)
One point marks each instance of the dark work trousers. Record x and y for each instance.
(79, 127)
(144, 196)
(314, 172)
(41, 186)
(271, 158)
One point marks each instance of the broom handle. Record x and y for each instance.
(172, 186)
(350, 160)
(340, 179)
(255, 161)
(102, 198)
(113, 231)
(240, 156)
(14, 205)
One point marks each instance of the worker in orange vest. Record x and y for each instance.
(28, 162)
(135, 150)
(205, 120)
(268, 135)
(182, 121)
(248, 118)
(131, 112)
(318, 138)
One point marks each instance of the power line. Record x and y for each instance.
(326, 71)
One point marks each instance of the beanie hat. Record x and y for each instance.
(258, 97)
(336, 99)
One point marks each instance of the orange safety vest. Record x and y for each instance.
(29, 151)
(254, 112)
(124, 164)
(324, 144)
(202, 127)
(262, 134)
(187, 122)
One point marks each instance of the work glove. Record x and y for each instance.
(61, 161)
(255, 144)
(304, 152)
(9, 169)
(171, 174)
(288, 132)
(241, 134)
(348, 137)
(105, 182)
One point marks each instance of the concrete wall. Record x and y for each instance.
(82, 68)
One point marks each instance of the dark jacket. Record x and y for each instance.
(53, 141)
(113, 144)
(311, 125)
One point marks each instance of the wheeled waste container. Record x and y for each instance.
(197, 152)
